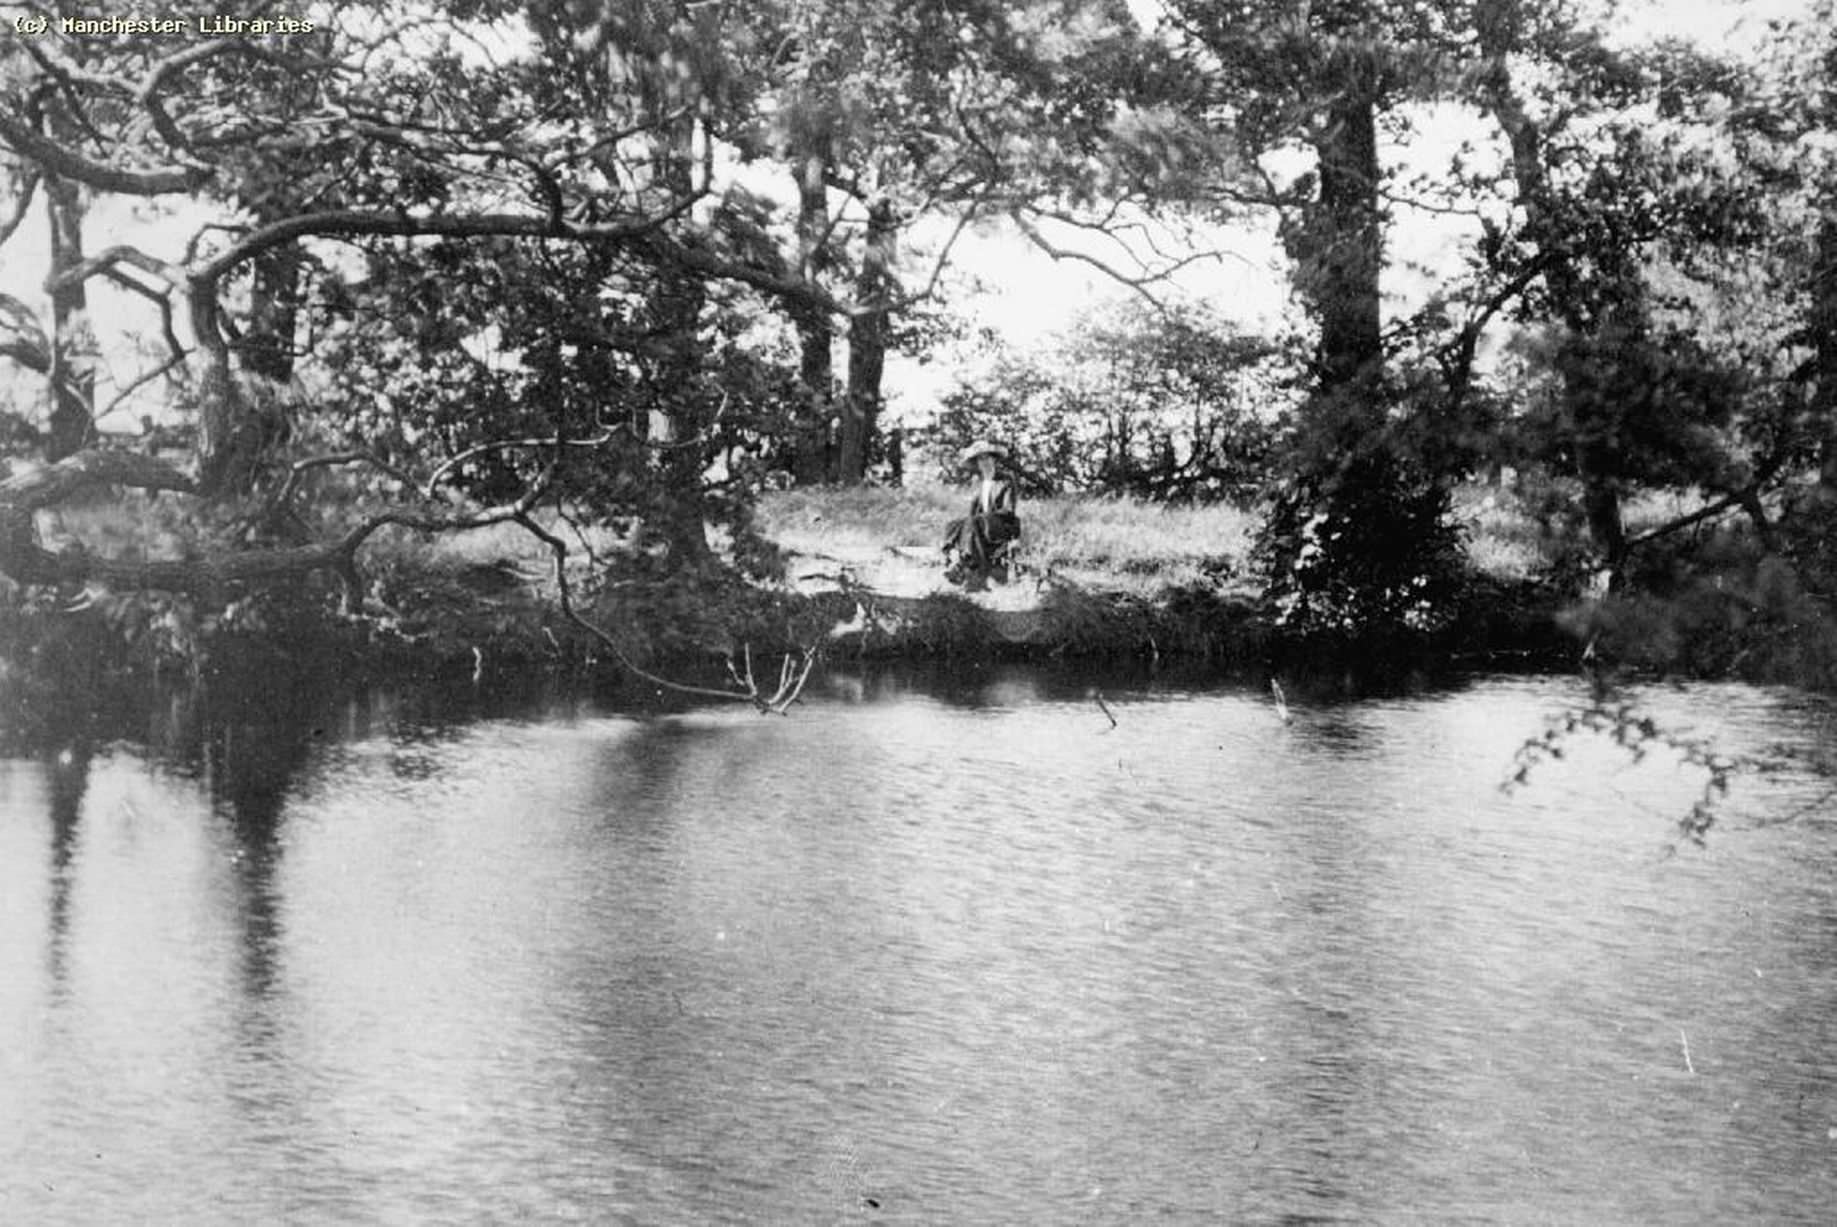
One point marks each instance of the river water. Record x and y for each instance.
(967, 949)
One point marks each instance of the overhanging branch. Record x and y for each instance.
(104, 261)
(23, 559)
(352, 223)
(792, 672)
(70, 164)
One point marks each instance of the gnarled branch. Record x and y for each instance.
(71, 164)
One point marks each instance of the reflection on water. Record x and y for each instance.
(933, 949)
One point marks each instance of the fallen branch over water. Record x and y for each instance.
(24, 560)
(793, 672)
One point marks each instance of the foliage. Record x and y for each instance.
(1051, 114)
(592, 261)
(1810, 540)
(1360, 539)
(525, 361)
(1628, 405)
(1172, 406)
(1720, 607)
(1639, 734)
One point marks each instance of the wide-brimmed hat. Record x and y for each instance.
(983, 447)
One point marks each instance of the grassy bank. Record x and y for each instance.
(1113, 544)
(863, 574)
(1093, 576)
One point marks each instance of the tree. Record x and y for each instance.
(1357, 534)
(1172, 405)
(401, 142)
(888, 115)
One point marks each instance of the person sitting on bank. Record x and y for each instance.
(976, 547)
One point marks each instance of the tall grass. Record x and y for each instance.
(832, 520)
(1126, 536)
(1115, 543)
(1122, 541)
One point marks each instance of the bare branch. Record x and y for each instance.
(46, 487)
(1140, 284)
(1710, 512)
(159, 298)
(300, 468)
(33, 357)
(104, 261)
(1417, 202)
(23, 559)
(501, 445)
(141, 381)
(28, 345)
(1458, 355)
(151, 84)
(938, 265)
(70, 164)
(556, 161)
(349, 223)
(791, 676)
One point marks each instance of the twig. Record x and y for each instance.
(498, 445)
(792, 675)
(1726, 503)
(141, 381)
(300, 468)
(1685, 1041)
(1104, 707)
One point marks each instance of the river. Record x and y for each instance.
(970, 947)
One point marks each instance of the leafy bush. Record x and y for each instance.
(1173, 407)
(1364, 546)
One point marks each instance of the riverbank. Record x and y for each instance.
(857, 574)
(854, 572)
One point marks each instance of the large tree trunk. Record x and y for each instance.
(239, 432)
(809, 443)
(73, 343)
(675, 378)
(1340, 247)
(677, 497)
(230, 441)
(867, 344)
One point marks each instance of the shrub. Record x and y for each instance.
(1370, 545)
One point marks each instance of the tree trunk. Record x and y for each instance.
(1343, 250)
(867, 344)
(1498, 23)
(229, 443)
(73, 342)
(1601, 503)
(1823, 328)
(675, 378)
(267, 347)
(809, 462)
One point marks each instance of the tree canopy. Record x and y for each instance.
(475, 260)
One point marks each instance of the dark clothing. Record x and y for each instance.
(982, 540)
